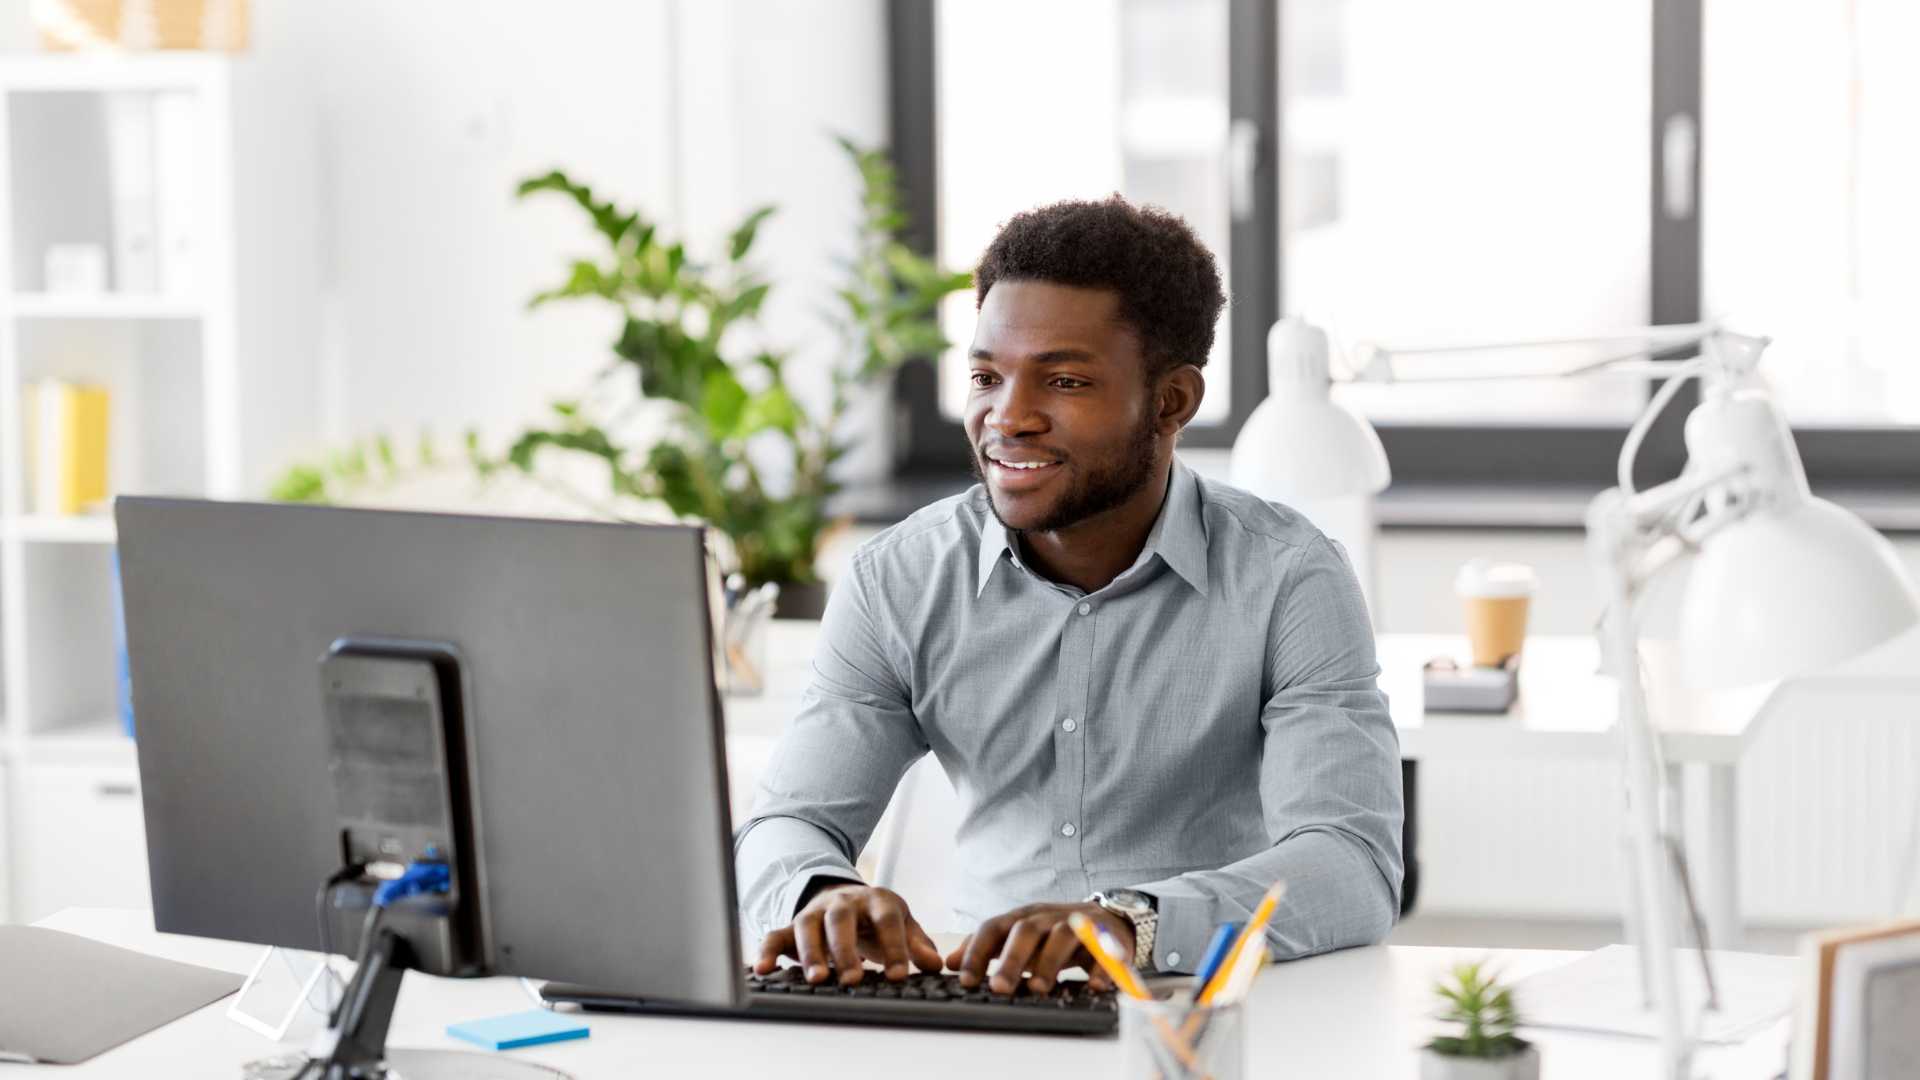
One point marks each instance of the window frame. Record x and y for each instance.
(1422, 455)
(929, 441)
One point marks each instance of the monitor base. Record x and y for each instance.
(417, 1065)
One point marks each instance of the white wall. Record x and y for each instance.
(427, 113)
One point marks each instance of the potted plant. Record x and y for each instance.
(1486, 1047)
(695, 412)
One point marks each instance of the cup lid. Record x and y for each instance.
(1484, 577)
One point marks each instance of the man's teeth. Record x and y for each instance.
(1024, 464)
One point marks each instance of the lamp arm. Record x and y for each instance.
(1642, 424)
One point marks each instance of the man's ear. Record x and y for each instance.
(1181, 391)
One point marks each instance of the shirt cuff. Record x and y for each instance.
(1184, 927)
(797, 887)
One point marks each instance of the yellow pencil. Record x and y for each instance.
(1129, 984)
(1122, 975)
(1255, 928)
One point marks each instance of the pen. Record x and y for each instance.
(1215, 954)
(1255, 927)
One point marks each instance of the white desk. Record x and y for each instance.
(1358, 1014)
(1566, 709)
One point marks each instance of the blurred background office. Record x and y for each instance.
(321, 287)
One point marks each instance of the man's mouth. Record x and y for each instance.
(1018, 471)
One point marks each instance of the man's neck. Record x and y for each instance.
(1092, 552)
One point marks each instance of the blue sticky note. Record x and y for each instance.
(530, 1028)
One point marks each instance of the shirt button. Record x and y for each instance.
(1086, 609)
(1068, 829)
(1173, 959)
(1069, 725)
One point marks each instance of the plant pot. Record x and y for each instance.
(801, 601)
(1524, 1065)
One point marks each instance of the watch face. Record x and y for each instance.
(1128, 898)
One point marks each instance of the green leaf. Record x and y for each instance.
(722, 400)
(383, 448)
(585, 279)
(300, 484)
(741, 241)
(770, 409)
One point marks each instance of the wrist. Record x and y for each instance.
(1140, 913)
(819, 885)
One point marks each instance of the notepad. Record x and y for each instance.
(530, 1028)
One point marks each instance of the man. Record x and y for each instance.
(1155, 695)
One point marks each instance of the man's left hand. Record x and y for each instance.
(1036, 942)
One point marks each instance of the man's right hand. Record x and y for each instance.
(846, 924)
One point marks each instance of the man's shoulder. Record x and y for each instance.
(1236, 516)
(947, 529)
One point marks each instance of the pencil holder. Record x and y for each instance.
(1173, 1039)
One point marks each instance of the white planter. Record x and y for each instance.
(1522, 1066)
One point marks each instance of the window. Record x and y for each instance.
(1004, 105)
(1414, 174)
(1814, 232)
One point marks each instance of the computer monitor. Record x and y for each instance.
(597, 760)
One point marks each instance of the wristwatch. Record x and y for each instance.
(1139, 909)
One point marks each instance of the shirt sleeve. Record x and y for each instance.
(836, 766)
(1329, 783)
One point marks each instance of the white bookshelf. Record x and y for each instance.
(213, 386)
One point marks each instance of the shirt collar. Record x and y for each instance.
(1179, 534)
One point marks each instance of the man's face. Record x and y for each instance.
(1059, 417)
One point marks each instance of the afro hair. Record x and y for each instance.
(1166, 279)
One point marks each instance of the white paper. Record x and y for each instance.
(1602, 992)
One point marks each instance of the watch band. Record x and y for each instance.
(1145, 921)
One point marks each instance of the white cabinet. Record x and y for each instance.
(78, 838)
(211, 376)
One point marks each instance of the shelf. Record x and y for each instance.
(111, 71)
(105, 306)
(46, 529)
(93, 742)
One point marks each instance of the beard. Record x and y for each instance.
(1095, 491)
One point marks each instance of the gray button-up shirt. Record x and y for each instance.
(1205, 724)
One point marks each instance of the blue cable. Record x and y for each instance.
(420, 877)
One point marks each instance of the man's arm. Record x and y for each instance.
(836, 767)
(1329, 781)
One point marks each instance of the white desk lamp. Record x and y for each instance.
(1302, 448)
(1781, 583)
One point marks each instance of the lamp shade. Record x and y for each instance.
(1790, 591)
(1299, 443)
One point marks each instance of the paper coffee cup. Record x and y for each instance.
(1495, 598)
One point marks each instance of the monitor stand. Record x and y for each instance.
(358, 1038)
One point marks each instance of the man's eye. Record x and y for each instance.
(1066, 383)
(982, 379)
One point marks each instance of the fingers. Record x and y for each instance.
(810, 934)
(980, 949)
(843, 941)
(926, 955)
(890, 933)
(1022, 941)
(1056, 952)
(1097, 978)
(776, 945)
(959, 954)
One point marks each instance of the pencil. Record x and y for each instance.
(1256, 926)
(1122, 975)
(1129, 984)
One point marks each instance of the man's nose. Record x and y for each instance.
(1017, 411)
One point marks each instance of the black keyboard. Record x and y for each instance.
(928, 1000)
